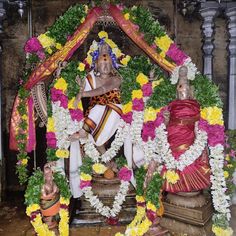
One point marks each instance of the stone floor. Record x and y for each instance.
(14, 222)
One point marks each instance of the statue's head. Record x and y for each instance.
(184, 90)
(104, 61)
(48, 172)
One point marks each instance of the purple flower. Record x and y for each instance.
(148, 131)
(32, 45)
(151, 215)
(76, 114)
(84, 184)
(138, 104)
(51, 140)
(41, 55)
(19, 162)
(147, 90)
(232, 153)
(128, 117)
(57, 95)
(125, 174)
(176, 54)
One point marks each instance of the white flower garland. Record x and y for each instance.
(192, 71)
(105, 210)
(120, 136)
(185, 159)
(64, 125)
(221, 201)
(136, 128)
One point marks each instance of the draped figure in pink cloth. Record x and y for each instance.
(183, 114)
(180, 121)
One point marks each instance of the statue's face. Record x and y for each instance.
(104, 64)
(183, 89)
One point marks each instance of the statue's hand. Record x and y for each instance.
(151, 169)
(76, 136)
(77, 100)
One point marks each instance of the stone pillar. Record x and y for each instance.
(208, 11)
(1, 151)
(231, 15)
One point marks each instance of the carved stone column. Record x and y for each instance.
(208, 11)
(231, 15)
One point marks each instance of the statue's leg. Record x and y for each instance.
(101, 149)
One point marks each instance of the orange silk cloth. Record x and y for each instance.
(50, 65)
(181, 135)
(131, 32)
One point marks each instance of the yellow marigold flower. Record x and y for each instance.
(99, 168)
(82, 20)
(62, 153)
(117, 52)
(127, 16)
(24, 117)
(142, 79)
(61, 84)
(71, 104)
(151, 206)
(31, 208)
(85, 177)
(226, 174)
(110, 43)
(127, 108)
(46, 41)
(102, 34)
(213, 115)
(86, 8)
(125, 60)
(227, 157)
(230, 166)
(140, 199)
(50, 125)
(157, 82)
(58, 46)
(171, 176)
(218, 231)
(163, 43)
(89, 59)
(137, 94)
(81, 66)
(49, 50)
(65, 201)
(132, 232)
(150, 114)
(119, 234)
(24, 162)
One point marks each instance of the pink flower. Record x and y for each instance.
(148, 131)
(57, 95)
(215, 133)
(125, 174)
(41, 55)
(151, 215)
(76, 114)
(232, 153)
(51, 140)
(154, 46)
(19, 162)
(176, 54)
(32, 45)
(120, 7)
(147, 90)
(84, 184)
(128, 117)
(138, 104)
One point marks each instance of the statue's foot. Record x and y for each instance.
(157, 230)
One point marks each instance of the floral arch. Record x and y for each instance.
(143, 101)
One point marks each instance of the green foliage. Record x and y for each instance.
(147, 24)
(162, 95)
(62, 184)
(140, 177)
(22, 173)
(120, 162)
(232, 138)
(69, 74)
(66, 24)
(139, 64)
(220, 220)
(206, 92)
(51, 154)
(33, 191)
(87, 166)
(154, 190)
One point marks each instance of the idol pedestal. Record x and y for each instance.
(106, 191)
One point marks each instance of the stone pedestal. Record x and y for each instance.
(188, 214)
(106, 190)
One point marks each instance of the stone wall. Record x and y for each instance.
(188, 36)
